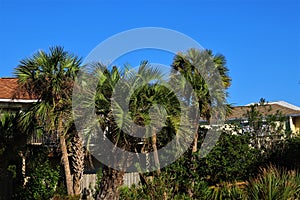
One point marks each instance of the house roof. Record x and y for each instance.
(271, 108)
(8, 91)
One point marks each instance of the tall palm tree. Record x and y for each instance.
(100, 100)
(207, 74)
(49, 77)
(198, 66)
(158, 107)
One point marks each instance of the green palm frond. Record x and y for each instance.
(197, 67)
(48, 77)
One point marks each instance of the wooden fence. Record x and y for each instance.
(89, 182)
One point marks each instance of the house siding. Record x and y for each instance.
(296, 122)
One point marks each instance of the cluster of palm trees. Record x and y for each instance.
(50, 78)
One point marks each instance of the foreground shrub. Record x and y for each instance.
(42, 181)
(287, 153)
(270, 184)
(273, 183)
(232, 159)
(156, 189)
(227, 191)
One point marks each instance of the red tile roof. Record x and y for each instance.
(8, 89)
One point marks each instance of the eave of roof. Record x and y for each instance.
(18, 100)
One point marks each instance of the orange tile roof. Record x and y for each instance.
(8, 90)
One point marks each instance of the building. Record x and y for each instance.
(289, 111)
(9, 99)
(13, 100)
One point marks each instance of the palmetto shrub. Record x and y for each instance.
(270, 184)
(227, 191)
(274, 183)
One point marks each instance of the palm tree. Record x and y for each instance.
(197, 67)
(156, 106)
(207, 74)
(100, 101)
(49, 77)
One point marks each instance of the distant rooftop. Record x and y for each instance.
(285, 104)
(283, 107)
(282, 103)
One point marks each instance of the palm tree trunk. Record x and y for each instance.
(111, 181)
(195, 142)
(65, 161)
(196, 137)
(193, 160)
(155, 152)
(77, 163)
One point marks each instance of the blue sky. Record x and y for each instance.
(259, 38)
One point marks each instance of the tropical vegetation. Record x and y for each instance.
(259, 162)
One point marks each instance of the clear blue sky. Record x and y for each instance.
(259, 38)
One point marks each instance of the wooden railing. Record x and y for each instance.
(45, 139)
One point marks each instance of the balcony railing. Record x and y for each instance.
(44, 139)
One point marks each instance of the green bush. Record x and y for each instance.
(230, 160)
(42, 182)
(286, 154)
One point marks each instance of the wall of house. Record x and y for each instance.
(296, 122)
(13, 106)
